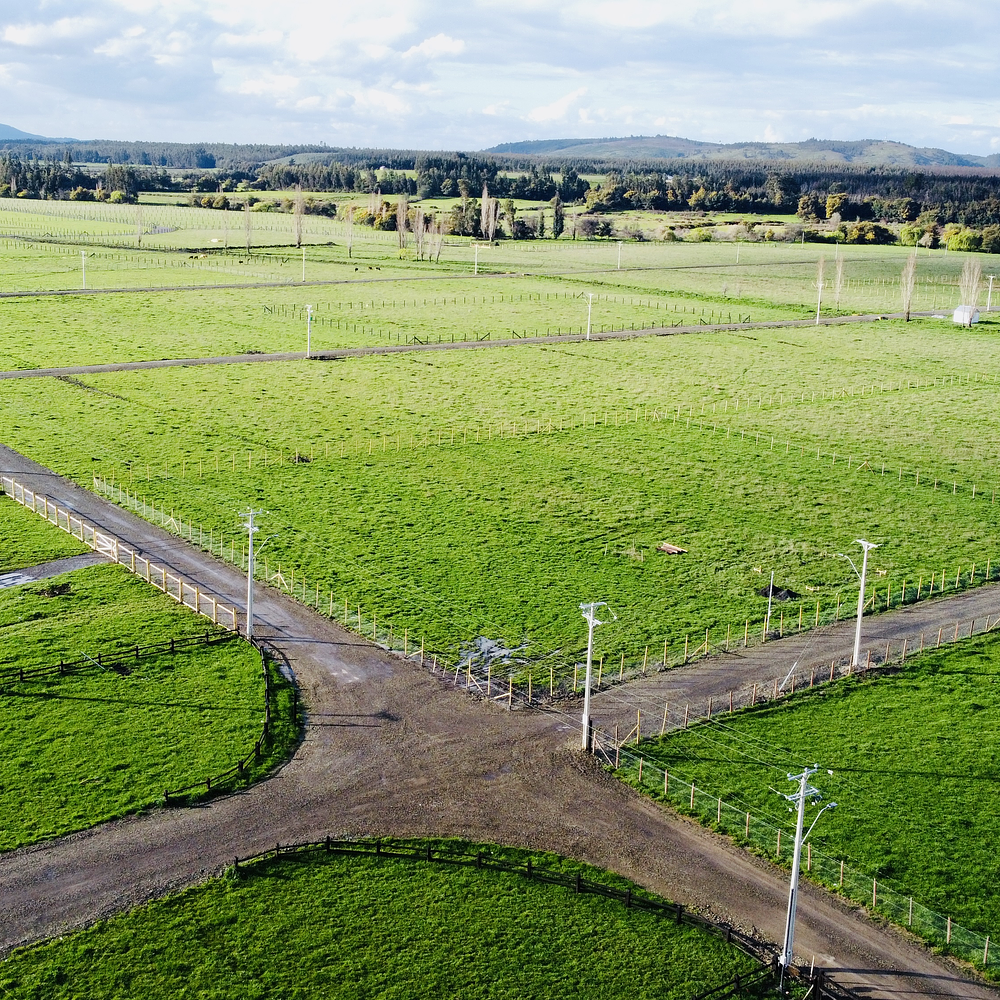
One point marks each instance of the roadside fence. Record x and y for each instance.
(624, 753)
(170, 583)
(535, 685)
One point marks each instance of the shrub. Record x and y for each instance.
(866, 233)
(991, 239)
(967, 240)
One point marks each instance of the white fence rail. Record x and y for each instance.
(172, 584)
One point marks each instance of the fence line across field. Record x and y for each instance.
(173, 584)
(878, 896)
(118, 660)
(543, 685)
(524, 428)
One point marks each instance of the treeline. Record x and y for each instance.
(968, 197)
(883, 194)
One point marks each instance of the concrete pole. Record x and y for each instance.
(309, 323)
(590, 307)
(793, 888)
(585, 740)
(861, 600)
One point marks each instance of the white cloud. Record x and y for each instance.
(461, 74)
(434, 48)
(37, 35)
(558, 109)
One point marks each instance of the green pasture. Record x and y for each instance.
(402, 511)
(27, 540)
(764, 276)
(914, 774)
(361, 927)
(136, 326)
(79, 749)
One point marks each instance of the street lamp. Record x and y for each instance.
(805, 793)
(989, 294)
(309, 326)
(590, 613)
(475, 266)
(867, 546)
(252, 529)
(619, 255)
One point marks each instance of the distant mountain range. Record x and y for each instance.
(10, 134)
(874, 152)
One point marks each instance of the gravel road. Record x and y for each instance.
(390, 749)
(458, 345)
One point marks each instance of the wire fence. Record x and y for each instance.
(120, 661)
(531, 685)
(632, 897)
(625, 756)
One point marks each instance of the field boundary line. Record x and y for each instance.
(173, 584)
(339, 353)
(877, 896)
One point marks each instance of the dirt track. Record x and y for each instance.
(392, 750)
(335, 354)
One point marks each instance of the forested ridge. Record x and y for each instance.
(968, 196)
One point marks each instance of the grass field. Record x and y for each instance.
(79, 749)
(140, 326)
(914, 774)
(451, 539)
(360, 927)
(26, 540)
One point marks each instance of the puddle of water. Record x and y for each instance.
(13, 579)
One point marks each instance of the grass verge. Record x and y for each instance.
(27, 540)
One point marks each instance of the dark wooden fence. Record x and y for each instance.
(239, 771)
(118, 661)
(630, 898)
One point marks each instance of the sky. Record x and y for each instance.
(471, 74)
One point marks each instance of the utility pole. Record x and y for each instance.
(770, 595)
(805, 793)
(819, 286)
(252, 529)
(619, 255)
(590, 613)
(867, 546)
(475, 266)
(309, 326)
(989, 294)
(83, 264)
(590, 307)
